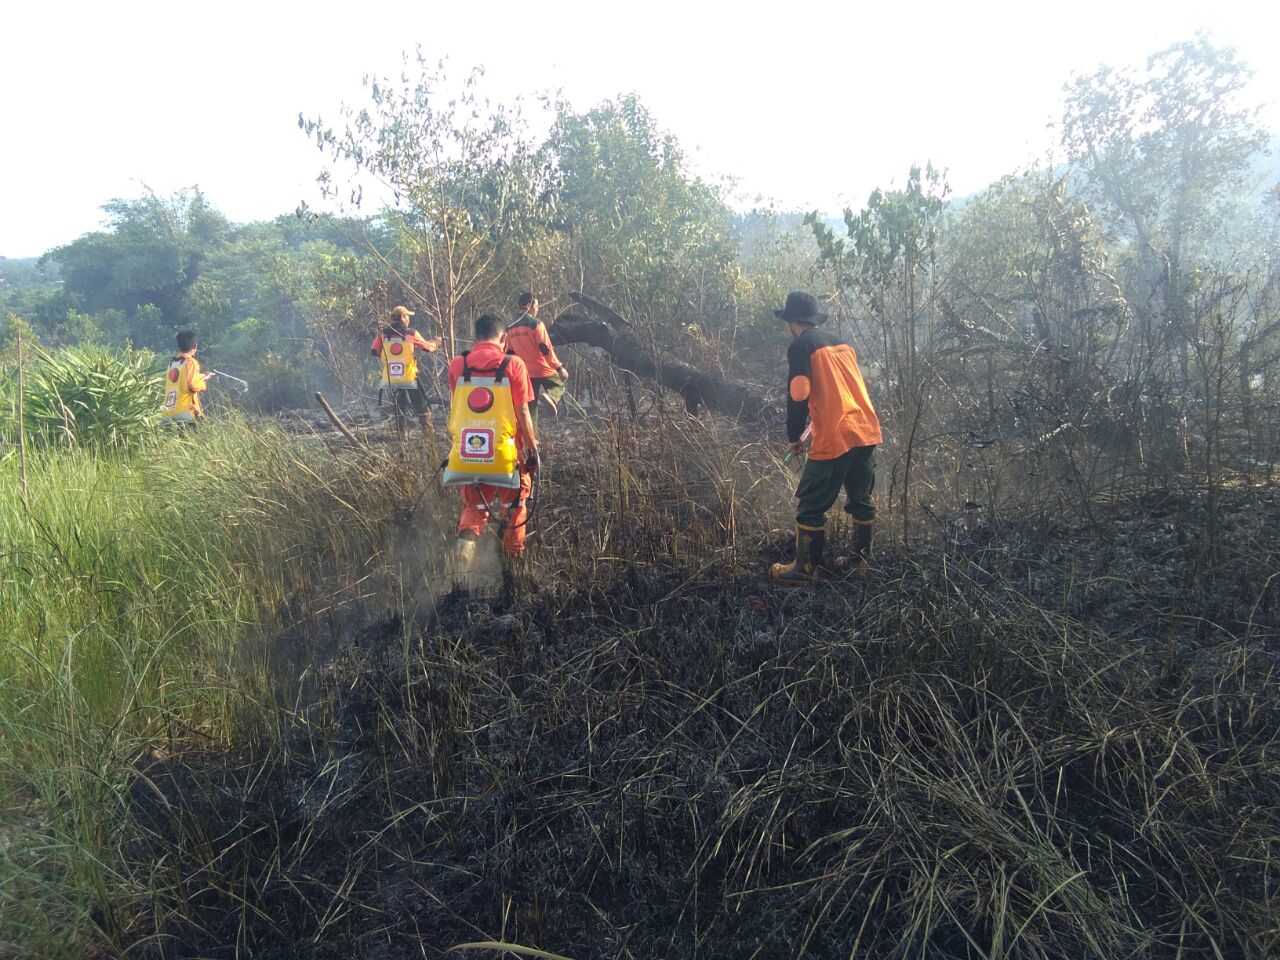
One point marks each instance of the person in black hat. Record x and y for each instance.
(825, 387)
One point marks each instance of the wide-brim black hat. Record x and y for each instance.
(801, 308)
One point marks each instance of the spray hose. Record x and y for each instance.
(534, 483)
(494, 509)
(808, 432)
(244, 387)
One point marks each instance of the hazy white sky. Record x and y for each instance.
(810, 104)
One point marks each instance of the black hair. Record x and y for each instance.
(487, 326)
(525, 299)
(186, 340)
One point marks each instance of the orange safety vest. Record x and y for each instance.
(825, 384)
(181, 404)
(482, 430)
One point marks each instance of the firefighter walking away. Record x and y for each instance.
(528, 339)
(825, 387)
(493, 446)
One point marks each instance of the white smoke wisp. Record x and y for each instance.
(430, 560)
(478, 565)
(422, 568)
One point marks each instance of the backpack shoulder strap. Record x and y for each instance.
(466, 369)
(502, 368)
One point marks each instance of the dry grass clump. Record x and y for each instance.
(644, 752)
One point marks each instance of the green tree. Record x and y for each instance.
(777, 254)
(11, 327)
(1165, 153)
(152, 253)
(889, 262)
(641, 231)
(458, 171)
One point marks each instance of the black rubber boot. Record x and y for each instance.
(855, 565)
(862, 537)
(803, 570)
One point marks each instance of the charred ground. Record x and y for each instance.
(1022, 742)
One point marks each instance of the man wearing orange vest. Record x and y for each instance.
(825, 386)
(528, 339)
(183, 383)
(488, 355)
(395, 347)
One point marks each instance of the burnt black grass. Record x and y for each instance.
(1016, 746)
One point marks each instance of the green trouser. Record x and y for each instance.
(551, 387)
(821, 481)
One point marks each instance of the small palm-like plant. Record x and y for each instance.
(90, 397)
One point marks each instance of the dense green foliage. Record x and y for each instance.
(83, 397)
(163, 265)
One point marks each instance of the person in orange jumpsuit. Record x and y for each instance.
(825, 387)
(480, 499)
(528, 339)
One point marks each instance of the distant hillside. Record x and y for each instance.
(25, 273)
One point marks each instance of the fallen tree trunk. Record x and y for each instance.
(602, 310)
(698, 387)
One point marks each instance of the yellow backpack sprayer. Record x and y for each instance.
(484, 456)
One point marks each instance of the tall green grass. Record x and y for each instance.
(135, 589)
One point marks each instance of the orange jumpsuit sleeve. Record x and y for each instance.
(521, 390)
(423, 344)
(376, 347)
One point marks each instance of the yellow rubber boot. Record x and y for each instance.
(803, 570)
